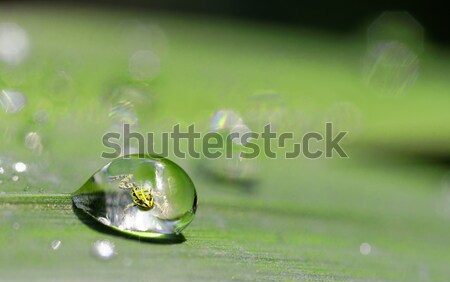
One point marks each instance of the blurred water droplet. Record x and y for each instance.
(144, 65)
(391, 69)
(55, 245)
(16, 226)
(365, 249)
(12, 101)
(230, 165)
(240, 130)
(41, 118)
(2, 170)
(264, 109)
(141, 196)
(33, 142)
(396, 27)
(15, 178)
(141, 36)
(224, 119)
(14, 44)
(103, 249)
(20, 167)
(123, 112)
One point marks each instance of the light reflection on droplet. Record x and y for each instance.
(12, 101)
(2, 170)
(103, 249)
(391, 69)
(365, 249)
(104, 220)
(14, 43)
(144, 65)
(224, 119)
(55, 245)
(20, 167)
(394, 42)
(33, 142)
(123, 112)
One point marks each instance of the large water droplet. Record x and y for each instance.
(144, 196)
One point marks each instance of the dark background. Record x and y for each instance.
(336, 16)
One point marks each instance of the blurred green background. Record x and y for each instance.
(69, 75)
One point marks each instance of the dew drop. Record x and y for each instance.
(20, 167)
(55, 245)
(103, 249)
(365, 249)
(14, 43)
(144, 65)
(15, 178)
(33, 142)
(231, 165)
(143, 196)
(12, 101)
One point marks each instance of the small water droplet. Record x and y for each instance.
(365, 249)
(123, 112)
(56, 244)
(132, 194)
(2, 170)
(20, 167)
(12, 101)
(391, 68)
(33, 142)
(15, 178)
(144, 65)
(16, 226)
(41, 118)
(14, 43)
(103, 249)
(231, 165)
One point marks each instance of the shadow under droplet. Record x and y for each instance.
(94, 224)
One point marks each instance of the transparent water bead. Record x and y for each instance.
(140, 195)
(12, 101)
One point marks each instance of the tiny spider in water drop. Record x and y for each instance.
(142, 196)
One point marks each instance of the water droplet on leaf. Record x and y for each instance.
(12, 101)
(103, 249)
(143, 196)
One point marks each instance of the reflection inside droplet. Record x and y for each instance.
(12, 101)
(103, 249)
